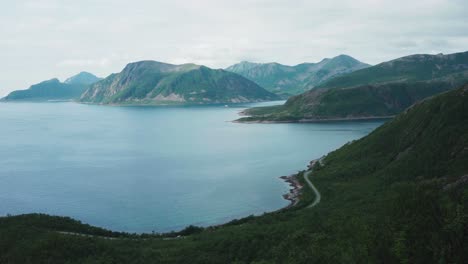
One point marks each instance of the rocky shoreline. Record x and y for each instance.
(295, 191)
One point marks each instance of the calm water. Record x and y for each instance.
(140, 169)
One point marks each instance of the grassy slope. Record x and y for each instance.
(358, 102)
(396, 195)
(217, 85)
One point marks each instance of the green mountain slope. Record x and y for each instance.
(382, 90)
(151, 82)
(290, 80)
(398, 195)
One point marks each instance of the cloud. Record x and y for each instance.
(50, 38)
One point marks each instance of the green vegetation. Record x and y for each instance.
(150, 82)
(398, 195)
(53, 89)
(291, 80)
(379, 91)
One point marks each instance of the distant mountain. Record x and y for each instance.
(290, 80)
(53, 89)
(83, 78)
(379, 91)
(151, 82)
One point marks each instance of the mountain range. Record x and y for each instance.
(382, 90)
(291, 80)
(152, 82)
(337, 88)
(53, 89)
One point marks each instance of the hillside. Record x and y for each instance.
(398, 195)
(151, 82)
(291, 80)
(382, 90)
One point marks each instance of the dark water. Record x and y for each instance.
(140, 169)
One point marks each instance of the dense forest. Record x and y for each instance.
(398, 195)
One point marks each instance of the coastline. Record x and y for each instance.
(315, 120)
(172, 103)
(294, 193)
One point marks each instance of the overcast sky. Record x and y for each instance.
(43, 39)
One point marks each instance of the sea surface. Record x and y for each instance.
(144, 169)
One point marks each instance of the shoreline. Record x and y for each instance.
(172, 103)
(293, 196)
(326, 120)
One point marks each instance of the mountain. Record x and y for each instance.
(382, 90)
(85, 78)
(398, 195)
(151, 82)
(290, 80)
(53, 89)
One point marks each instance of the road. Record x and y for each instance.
(312, 186)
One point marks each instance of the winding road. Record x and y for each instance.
(314, 189)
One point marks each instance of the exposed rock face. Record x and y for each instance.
(151, 82)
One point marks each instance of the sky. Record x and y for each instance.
(44, 39)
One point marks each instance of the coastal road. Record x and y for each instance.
(312, 186)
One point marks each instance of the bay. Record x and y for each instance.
(143, 169)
